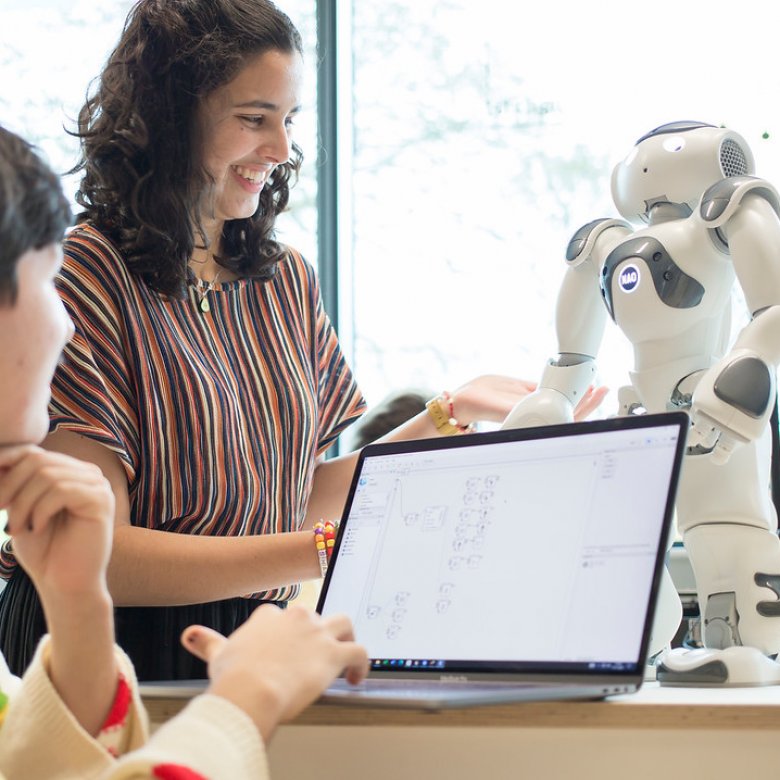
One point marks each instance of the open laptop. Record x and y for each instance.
(506, 566)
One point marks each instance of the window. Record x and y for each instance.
(49, 52)
(484, 138)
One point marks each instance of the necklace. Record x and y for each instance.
(204, 288)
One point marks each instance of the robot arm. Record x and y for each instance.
(734, 399)
(579, 322)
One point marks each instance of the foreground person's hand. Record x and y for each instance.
(278, 662)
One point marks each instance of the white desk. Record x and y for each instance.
(667, 733)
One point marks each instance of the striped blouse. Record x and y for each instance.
(218, 416)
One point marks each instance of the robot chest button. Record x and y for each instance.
(673, 286)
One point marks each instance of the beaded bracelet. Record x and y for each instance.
(324, 541)
(319, 543)
(442, 412)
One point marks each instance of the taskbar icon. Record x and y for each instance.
(407, 663)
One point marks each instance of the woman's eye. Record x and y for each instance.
(255, 121)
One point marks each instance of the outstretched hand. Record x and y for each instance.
(278, 662)
(490, 398)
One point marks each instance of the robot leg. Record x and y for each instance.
(729, 530)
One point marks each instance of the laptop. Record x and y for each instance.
(513, 565)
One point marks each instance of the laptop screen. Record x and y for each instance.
(511, 551)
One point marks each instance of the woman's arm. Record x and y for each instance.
(151, 568)
(487, 398)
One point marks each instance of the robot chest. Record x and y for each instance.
(642, 269)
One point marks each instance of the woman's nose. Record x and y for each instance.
(279, 147)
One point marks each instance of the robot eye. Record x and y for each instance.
(674, 144)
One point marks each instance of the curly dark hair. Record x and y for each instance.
(144, 181)
(34, 213)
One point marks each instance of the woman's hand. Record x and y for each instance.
(490, 398)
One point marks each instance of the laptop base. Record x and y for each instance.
(431, 695)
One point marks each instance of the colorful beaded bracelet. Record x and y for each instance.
(324, 541)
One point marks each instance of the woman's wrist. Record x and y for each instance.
(443, 414)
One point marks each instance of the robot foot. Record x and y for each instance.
(730, 667)
(737, 570)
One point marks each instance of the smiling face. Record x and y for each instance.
(35, 328)
(246, 128)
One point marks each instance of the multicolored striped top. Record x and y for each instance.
(218, 416)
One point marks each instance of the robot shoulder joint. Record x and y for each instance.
(582, 242)
(723, 198)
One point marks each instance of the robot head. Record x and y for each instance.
(675, 164)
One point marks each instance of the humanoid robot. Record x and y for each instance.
(704, 223)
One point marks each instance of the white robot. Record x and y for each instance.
(703, 221)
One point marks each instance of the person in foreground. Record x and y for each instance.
(77, 712)
(205, 379)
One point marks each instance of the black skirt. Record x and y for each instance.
(149, 635)
(21, 621)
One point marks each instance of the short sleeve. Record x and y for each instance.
(91, 391)
(339, 398)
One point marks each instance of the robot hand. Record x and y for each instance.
(544, 406)
(731, 404)
(563, 383)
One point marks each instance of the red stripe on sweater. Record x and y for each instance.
(121, 706)
(175, 772)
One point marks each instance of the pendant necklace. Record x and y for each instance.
(204, 288)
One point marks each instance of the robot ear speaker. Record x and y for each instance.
(733, 160)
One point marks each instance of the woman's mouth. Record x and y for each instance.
(249, 175)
